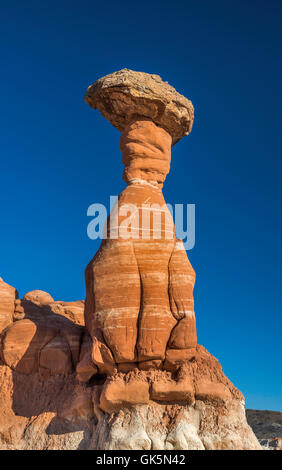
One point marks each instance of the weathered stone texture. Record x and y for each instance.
(8, 296)
(40, 337)
(140, 283)
(134, 377)
(136, 411)
(123, 95)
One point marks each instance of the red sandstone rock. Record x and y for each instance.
(116, 395)
(145, 152)
(38, 297)
(22, 342)
(55, 358)
(150, 365)
(72, 333)
(36, 304)
(43, 415)
(102, 356)
(74, 311)
(85, 368)
(181, 284)
(113, 286)
(8, 296)
(135, 327)
(174, 358)
(206, 391)
(127, 366)
(29, 310)
(78, 406)
(139, 313)
(199, 377)
(140, 283)
(58, 413)
(171, 391)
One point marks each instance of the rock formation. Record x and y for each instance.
(132, 377)
(45, 404)
(8, 296)
(43, 336)
(139, 305)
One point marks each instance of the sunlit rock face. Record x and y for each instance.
(139, 308)
(139, 302)
(8, 296)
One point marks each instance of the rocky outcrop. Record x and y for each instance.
(139, 302)
(146, 152)
(8, 296)
(46, 404)
(38, 297)
(123, 95)
(37, 304)
(134, 376)
(32, 413)
(137, 410)
(139, 307)
(41, 337)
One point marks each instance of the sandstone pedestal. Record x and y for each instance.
(140, 283)
(163, 391)
(196, 408)
(133, 376)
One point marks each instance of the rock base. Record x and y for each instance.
(52, 396)
(160, 410)
(176, 427)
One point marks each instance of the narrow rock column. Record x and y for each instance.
(140, 283)
(146, 152)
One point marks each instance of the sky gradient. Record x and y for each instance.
(58, 156)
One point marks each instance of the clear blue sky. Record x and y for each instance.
(58, 156)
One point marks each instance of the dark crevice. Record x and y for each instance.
(98, 379)
(139, 319)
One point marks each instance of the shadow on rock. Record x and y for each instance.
(41, 351)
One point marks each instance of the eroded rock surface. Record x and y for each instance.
(177, 427)
(46, 404)
(123, 95)
(38, 304)
(8, 296)
(139, 285)
(42, 336)
(140, 410)
(134, 376)
(139, 301)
